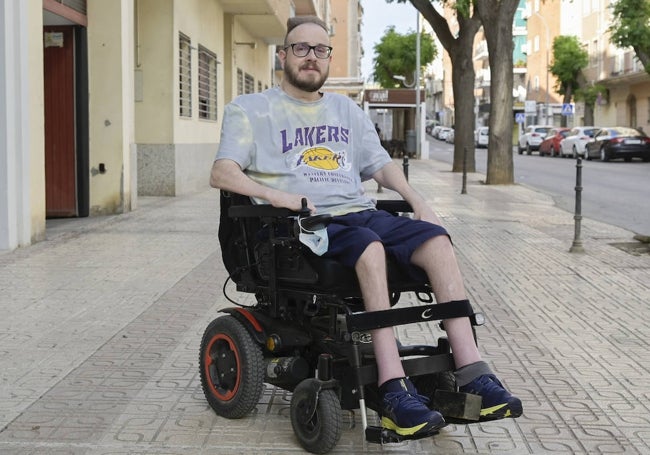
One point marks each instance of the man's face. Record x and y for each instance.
(306, 73)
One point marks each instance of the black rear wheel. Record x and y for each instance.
(231, 367)
(318, 431)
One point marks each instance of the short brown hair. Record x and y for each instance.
(295, 21)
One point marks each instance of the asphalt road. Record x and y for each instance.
(615, 192)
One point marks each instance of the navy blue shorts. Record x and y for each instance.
(350, 234)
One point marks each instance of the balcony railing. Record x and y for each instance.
(621, 65)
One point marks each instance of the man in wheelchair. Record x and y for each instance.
(293, 143)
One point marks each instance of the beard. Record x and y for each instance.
(309, 83)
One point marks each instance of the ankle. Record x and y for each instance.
(468, 373)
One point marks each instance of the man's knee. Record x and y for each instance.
(373, 253)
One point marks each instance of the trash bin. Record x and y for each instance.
(410, 142)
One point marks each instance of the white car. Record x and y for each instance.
(481, 136)
(442, 133)
(532, 137)
(576, 141)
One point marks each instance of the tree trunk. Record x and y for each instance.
(462, 77)
(460, 49)
(497, 17)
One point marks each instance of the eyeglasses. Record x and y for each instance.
(302, 50)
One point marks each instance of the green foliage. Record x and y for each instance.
(631, 27)
(590, 94)
(395, 56)
(569, 58)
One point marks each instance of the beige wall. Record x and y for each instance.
(36, 109)
(154, 76)
(111, 119)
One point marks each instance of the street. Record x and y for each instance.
(615, 192)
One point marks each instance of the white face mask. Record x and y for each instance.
(317, 240)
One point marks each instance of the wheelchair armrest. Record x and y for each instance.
(394, 205)
(260, 211)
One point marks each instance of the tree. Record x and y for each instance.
(459, 47)
(569, 58)
(395, 56)
(497, 17)
(590, 94)
(630, 27)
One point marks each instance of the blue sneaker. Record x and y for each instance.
(497, 403)
(405, 412)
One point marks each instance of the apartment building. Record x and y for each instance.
(625, 100)
(102, 101)
(345, 21)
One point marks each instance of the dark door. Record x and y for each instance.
(60, 150)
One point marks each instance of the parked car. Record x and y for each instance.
(450, 136)
(551, 145)
(430, 125)
(481, 136)
(532, 138)
(619, 142)
(442, 133)
(574, 144)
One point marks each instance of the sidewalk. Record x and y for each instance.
(101, 326)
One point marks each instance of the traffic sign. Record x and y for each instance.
(520, 117)
(567, 109)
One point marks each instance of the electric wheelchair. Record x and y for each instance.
(307, 332)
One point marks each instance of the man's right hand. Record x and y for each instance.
(290, 201)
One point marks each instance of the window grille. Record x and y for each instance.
(249, 84)
(207, 84)
(240, 82)
(184, 76)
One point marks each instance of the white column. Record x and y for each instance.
(15, 213)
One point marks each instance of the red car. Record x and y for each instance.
(551, 145)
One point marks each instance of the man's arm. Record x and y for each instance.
(392, 177)
(227, 175)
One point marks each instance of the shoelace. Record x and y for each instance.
(404, 395)
(490, 383)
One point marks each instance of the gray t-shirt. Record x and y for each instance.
(322, 149)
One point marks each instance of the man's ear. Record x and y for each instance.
(282, 55)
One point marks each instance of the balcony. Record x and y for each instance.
(263, 19)
(623, 68)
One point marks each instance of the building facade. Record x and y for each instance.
(102, 101)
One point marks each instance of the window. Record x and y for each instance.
(259, 86)
(184, 76)
(240, 82)
(249, 84)
(207, 84)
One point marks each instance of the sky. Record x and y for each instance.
(377, 16)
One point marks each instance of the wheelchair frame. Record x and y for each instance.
(311, 338)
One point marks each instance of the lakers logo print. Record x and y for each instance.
(321, 158)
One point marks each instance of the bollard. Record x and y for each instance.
(464, 189)
(405, 166)
(577, 247)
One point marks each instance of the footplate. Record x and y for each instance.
(380, 435)
(457, 407)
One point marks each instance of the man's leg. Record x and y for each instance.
(371, 272)
(436, 256)
(403, 410)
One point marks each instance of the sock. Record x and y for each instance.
(468, 373)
